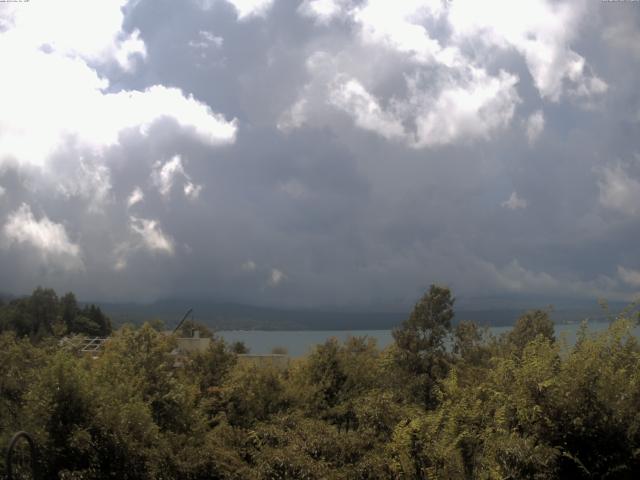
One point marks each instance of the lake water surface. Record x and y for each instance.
(299, 343)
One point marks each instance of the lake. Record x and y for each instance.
(299, 343)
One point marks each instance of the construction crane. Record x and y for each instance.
(189, 312)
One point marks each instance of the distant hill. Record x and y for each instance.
(235, 316)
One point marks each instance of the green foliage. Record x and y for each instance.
(529, 326)
(43, 314)
(420, 344)
(438, 403)
(239, 348)
(190, 326)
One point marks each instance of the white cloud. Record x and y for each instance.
(448, 97)
(148, 236)
(206, 40)
(629, 276)
(397, 26)
(90, 181)
(136, 197)
(248, 8)
(514, 202)
(191, 190)
(516, 278)
(2, 191)
(450, 94)
(152, 236)
(535, 126)
(618, 191)
(350, 96)
(471, 110)
(52, 97)
(54, 25)
(249, 266)
(276, 277)
(48, 238)
(294, 117)
(164, 176)
(541, 31)
(322, 11)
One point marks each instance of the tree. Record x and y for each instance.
(420, 342)
(43, 310)
(189, 326)
(69, 310)
(238, 347)
(529, 326)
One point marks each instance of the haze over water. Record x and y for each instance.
(299, 343)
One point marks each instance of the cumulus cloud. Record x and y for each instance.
(457, 98)
(54, 94)
(473, 110)
(618, 190)
(541, 31)
(49, 239)
(514, 202)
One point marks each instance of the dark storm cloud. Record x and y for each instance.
(315, 206)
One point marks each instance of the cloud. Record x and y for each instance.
(47, 238)
(136, 197)
(249, 266)
(322, 11)
(165, 176)
(535, 126)
(98, 38)
(355, 146)
(55, 95)
(350, 96)
(400, 27)
(294, 188)
(152, 236)
(629, 276)
(473, 110)
(276, 277)
(84, 179)
(514, 202)
(541, 31)
(472, 107)
(249, 8)
(206, 40)
(618, 190)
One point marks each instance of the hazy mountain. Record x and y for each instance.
(234, 316)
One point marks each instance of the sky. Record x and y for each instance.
(320, 153)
